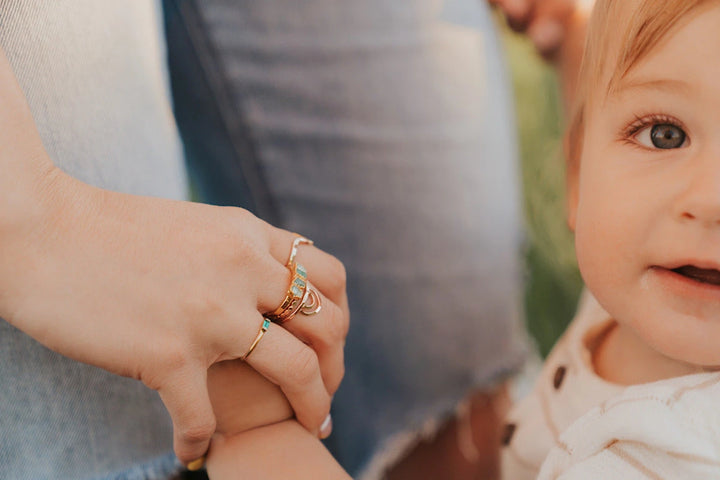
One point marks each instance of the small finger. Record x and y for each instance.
(186, 398)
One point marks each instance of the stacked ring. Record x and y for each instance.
(314, 305)
(295, 298)
(311, 303)
(294, 248)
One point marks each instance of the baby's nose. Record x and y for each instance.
(700, 201)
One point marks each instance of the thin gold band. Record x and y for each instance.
(263, 328)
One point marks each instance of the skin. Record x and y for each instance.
(157, 290)
(639, 211)
(284, 450)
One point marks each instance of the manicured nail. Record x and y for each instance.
(547, 35)
(196, 464)
(326, 427)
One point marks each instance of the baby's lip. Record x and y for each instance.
(699, 264)
(707, 272)
(703, 275)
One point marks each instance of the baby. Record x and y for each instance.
(629, 391)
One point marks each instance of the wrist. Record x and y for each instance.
(28, 210)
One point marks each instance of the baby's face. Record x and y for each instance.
(647, 213)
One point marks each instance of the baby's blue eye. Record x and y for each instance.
(664, 136)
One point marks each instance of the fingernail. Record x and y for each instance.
(196, 464)
(326, 427)
(546, 35)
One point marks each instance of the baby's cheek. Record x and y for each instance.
(243, 399)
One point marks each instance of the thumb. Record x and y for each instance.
(186, 398)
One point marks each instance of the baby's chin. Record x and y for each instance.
(676, 321)
(682, 351)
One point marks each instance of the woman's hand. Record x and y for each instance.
(160, 290)
(544, 21)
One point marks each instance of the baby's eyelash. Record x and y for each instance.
(640, 122)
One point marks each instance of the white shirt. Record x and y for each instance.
(567, 387)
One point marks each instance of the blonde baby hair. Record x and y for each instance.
(626, 30)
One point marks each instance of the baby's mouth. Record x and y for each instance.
(703, 275)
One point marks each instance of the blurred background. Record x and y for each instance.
(552, 283)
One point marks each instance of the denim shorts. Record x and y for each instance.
(383, 130)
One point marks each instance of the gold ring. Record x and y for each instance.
(294, 248)
(263, 328)
(295, 296)
(300, 297)
(311, 303)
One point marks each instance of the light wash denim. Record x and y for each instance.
(95, 78)
(383, 130)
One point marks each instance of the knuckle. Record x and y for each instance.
(198, 433)
(203, 304)
(303, 367)
(173, 357)
(338, 273)
(334, 383)
(337, 324)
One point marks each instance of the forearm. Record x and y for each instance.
(280, 451)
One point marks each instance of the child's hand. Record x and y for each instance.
(280, 451)
(243, 399)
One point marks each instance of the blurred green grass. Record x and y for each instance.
(552, 279)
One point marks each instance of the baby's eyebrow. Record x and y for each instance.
(670, 85)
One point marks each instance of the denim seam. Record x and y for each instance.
(239, 133)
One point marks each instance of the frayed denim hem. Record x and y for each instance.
(166, 467)
(400, 444)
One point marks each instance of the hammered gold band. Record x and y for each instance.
(295, 297)
(294, 248)
(300, 296)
